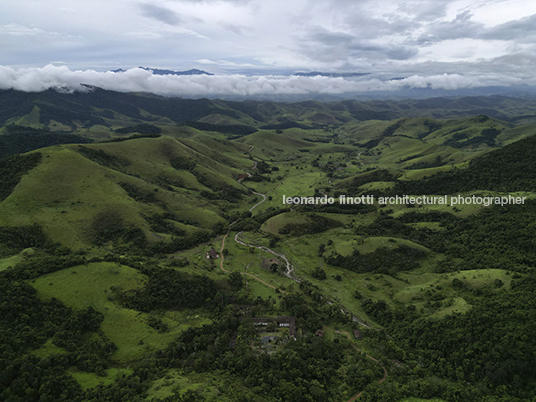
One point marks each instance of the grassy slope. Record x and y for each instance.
(83, 286)
(67, 191)
(91, 380)
(278, 222)
(63, 193)
(10, 262)
(212, 387)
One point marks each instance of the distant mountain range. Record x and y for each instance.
(158, 71)
(332, 75)
(194, 71)
(103, 108)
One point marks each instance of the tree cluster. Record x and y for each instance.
(13, 168)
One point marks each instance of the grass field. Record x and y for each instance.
(371, 244)
(48, 349)
(10, 261)
(91, 380)
(83, 286)
(257, 289)
(299, 183)
(212, 387)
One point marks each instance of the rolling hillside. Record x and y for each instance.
(185, 186)
(146, 252)
(97, 109)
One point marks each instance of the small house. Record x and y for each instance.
(212, 254)
(261, 321)
(287, 322)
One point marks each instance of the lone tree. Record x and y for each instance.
(236, 280)
(318, 273)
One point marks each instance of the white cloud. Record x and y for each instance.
(61, 77)
(21, 30)
(224, 63)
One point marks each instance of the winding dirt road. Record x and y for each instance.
(259, 203)
(264, 196)
(244, 273)
(290, 267)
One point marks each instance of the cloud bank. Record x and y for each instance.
(138, 80)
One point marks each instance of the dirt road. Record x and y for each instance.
(243, 273)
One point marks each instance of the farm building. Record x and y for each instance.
(212, 254)
(287, 322)
(282, 322)
(261, 321)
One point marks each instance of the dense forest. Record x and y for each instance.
(486, 347)
(20, 139)
(13, 168)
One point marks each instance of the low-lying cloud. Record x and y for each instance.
(139, 80)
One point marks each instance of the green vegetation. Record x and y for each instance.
(13, 168)
(382, 260)
(143, 129)
(161, 264)
(236, 129)
(508, 169)
(103, 286)
(15, 239)
(20, 139)
(169, 289)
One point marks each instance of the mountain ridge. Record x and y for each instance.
(113, 109)
(159, 71)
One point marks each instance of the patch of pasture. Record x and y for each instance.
(83, 286)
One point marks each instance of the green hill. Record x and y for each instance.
(511, 168)
(83, 192)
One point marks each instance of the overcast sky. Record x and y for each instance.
(441, 43)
